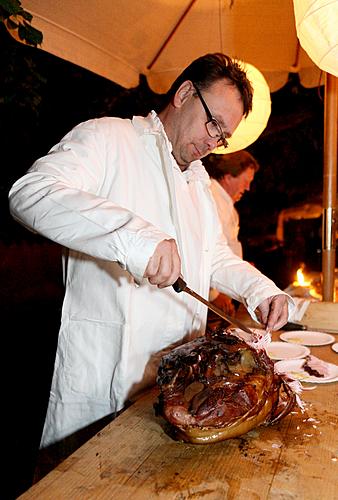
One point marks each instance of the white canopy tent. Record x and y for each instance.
(121, 39)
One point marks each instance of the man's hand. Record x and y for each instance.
(164, 266)
(273, 312)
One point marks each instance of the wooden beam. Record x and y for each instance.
(329, 187)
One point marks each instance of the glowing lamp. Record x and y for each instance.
(317, 31)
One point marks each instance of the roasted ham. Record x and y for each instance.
(219, 387)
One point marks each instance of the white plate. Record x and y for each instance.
(306, 337)
(293, 367)
(284, 350)
(335, 347)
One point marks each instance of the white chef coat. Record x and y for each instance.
(109, 192)
(228, 216)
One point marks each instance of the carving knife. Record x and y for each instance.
(181, 286)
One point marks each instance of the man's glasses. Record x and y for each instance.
(213, 127)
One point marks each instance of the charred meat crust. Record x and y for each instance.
(218, 382)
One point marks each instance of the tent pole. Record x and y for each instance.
(329, 187)
(171, 34)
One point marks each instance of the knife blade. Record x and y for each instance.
(181, 286)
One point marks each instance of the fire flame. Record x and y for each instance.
(301, 281)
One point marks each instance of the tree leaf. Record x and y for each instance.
(26, 15)
(30, 35)
(14, 17)
(13, 7)
(12, 25)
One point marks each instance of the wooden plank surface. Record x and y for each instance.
(134, 458)
(321, 316)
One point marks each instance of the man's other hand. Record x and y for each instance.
(273, 312)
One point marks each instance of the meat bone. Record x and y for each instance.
(181, 286)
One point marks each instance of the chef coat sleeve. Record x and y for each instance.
(240, 280)
(59, 199)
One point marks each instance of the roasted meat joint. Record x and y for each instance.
(219, 387)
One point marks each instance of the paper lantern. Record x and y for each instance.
(251, 127)
(317, 31)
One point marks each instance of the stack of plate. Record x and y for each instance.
(295, 342)
(293, 349)
(284, 350)
(294, 368)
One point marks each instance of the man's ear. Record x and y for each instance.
(183, 93)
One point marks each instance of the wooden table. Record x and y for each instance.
(134, 458)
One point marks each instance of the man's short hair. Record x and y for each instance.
(234, 164)
(210, 68)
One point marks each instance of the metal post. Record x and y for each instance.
(329, 188)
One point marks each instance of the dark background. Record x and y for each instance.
(41, 98)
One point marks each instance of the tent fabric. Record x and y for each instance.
(119, 39)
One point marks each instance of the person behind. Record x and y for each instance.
(231, 175)
(129, 201)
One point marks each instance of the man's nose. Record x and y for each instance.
(212, 143)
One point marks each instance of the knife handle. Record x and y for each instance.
(293, 326)
(179, 285)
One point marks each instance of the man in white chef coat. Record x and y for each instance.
(129, 201)
(231, 176)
